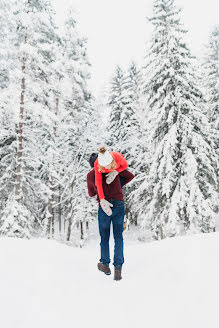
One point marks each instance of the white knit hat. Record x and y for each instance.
(104, 157)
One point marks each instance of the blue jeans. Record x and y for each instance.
(117, 218)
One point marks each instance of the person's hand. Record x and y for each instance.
(111, 176)
(106, 206)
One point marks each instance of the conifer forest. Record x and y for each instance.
(162, 115)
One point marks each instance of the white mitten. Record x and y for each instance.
(111, 176)
(106, 206)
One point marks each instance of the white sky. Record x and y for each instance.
(117, 30)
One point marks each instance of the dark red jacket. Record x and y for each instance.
(112, 190)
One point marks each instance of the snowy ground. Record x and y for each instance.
(170, 284)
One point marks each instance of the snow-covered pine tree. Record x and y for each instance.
(132, 139)
(33, 52)
(7, 103)
(125, 127)
(56, 115)
(116, 103)
(135, 86)
(136, 146)
(103, 110)
(40, 106)
(129, 124)
(77, 131)
(211, 83)
(15, 219)
(181, 187)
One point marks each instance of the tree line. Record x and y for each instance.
(163, 119)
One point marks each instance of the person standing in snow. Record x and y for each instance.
(111, 205)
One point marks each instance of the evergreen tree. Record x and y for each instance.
(126, 128)
(38, 45)
(211, 83)
(16, 220)
(181, 187)
(78, 130)
(9, 99)
(117, 100)
(132, 132)
(31, 80)
(49, 125)
(129, 129)
(124, 102)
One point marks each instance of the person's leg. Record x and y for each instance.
(104, 229)
(118, 220)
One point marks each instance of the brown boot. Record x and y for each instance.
(104, 268)
(117, 274)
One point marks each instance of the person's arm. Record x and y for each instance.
(98, 181)
(122, 180)
(91, 191)
(125, 177)
(119, 158)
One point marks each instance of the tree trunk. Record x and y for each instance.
(69, 228)
(64, 225)
(136, 221)
(59, 212)
(50, 211)
(18, 195)
(48, 229)
(56, 112)
(51, 221)
(82, 232)
(70, 211)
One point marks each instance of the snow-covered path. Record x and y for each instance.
(172, 283)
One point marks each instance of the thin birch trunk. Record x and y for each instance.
(51, 219)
